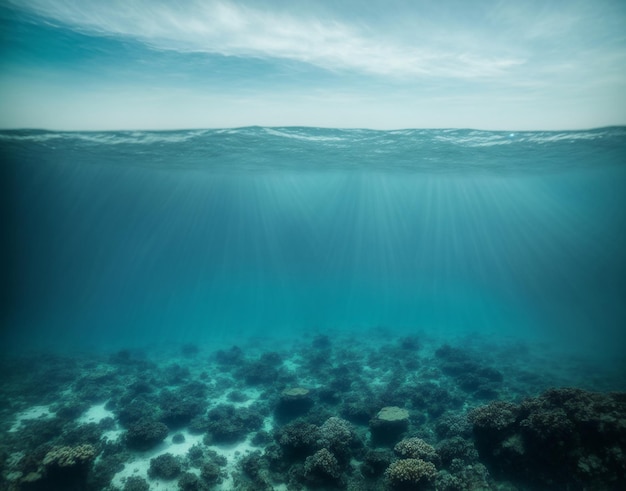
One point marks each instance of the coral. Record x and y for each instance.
(433, 398)
(145, 434)
(87, 433)
(254, 470)
(389, 424)
(174, 374)
(63, 468)
(495, 417)
(70, 456)
(410, 473)
(410, 343)
(329, 395)
(375, 462)
(357, 411)
(563, 438)
(453, 425)
(237, 396)
(121, 357)
(293, 402)
(140, 387)
(72, 409)
(109, 463)
(295, 392)
(36, 432)
(190, 482)
(195, 390)
(392, 414)
(96, 386)
(178, 408)
(234, 356)
(548, 428)
(211, 473)
(298, 439)
(466, 478)
(195, 455)
(451, 355)
(136, 483)
(260, 372)
(178, 438)
(227, 424)
(321, 341)
(456, 448)
(136, 410)
(342, 377)
(336, 434)
(416, 448)
(322, 466)
(165, 466)
(469, 374)
(261, 438)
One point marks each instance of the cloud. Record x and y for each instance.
(232, 29)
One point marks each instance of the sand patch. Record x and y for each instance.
(34, 412)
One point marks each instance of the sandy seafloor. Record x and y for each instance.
(230, 419)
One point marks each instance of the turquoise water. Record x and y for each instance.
(119, 239)
(240, 310)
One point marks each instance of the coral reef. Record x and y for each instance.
(165, 466)
(328, 414)
(227, 424)
(190, 482)
(293, 402)
(565, 437)
(136, 483)
(406, 474)
(321, 467)
(416, 448)
(145, 434)
(337, 435)
(389, 424)
(69, 456)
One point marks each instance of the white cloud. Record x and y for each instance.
(227, 28)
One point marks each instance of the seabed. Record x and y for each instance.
(375, 411)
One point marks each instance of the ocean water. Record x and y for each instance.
(230, 252)
(133, 238)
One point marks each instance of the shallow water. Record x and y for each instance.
(509, 246)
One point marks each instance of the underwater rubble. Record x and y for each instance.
(383, 413)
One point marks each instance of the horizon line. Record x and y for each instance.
(344, 128)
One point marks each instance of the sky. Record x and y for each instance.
(383, 64)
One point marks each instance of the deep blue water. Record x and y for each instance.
(118, 239)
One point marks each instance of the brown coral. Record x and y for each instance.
(322, 464)
(415, 448)
(69, 456)
(410, 473)
(496, 416)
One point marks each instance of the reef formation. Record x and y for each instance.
(393, 414)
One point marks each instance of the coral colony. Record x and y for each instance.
(403, 414)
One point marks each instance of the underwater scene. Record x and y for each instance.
(295, 308)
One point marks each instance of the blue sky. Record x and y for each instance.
(155, 64)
